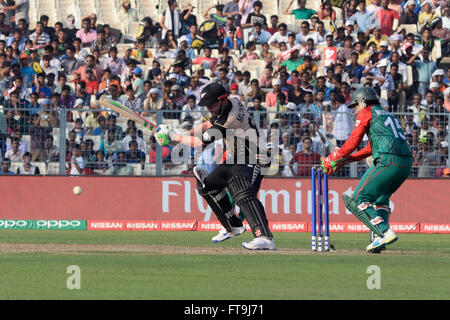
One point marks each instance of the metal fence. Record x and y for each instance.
(97, 142)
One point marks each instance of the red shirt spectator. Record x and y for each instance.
(92, 86)
(305, 159)
(165, 152)
(386, 17)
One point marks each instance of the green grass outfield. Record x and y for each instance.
(187, 265)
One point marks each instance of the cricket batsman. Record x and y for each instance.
(392, 164)
(231, 121)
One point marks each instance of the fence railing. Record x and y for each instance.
(99, 142)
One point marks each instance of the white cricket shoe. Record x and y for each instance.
(389, 237)
(225, 235)
(260, 243)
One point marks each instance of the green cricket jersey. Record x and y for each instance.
(385, 134)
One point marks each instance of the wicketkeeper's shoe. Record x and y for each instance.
(372, 239)
(225, 235)
(389, 237)
(260, 243)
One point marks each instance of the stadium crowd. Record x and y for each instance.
(296, 78)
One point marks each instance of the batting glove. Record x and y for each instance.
(164, 135)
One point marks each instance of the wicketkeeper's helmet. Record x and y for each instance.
(362, 96)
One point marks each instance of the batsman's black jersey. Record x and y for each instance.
(235, 125)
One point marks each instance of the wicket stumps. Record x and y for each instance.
(320, 215)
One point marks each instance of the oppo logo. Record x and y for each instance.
(57, 223)
(45, 224)
(12, 223)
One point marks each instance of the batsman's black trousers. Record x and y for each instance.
(243, 183)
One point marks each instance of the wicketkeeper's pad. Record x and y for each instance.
(361, 215)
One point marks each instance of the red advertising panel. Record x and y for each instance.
(287, 200)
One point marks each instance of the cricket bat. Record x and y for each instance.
(127, 113)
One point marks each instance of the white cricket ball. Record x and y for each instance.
(77, 190)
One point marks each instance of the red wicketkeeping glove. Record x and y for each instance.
(333, 162)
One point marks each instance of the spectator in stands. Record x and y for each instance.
(87, 35)
(88, 154)
(191, 111)
(110, 144)
(304, 159)
(301, 13)
(132, 136)
(110, 36)
(49, 115)
(115, 64)
(258, 34)
(101, 43)
(304, 33)
(255, 90)
(395, 94)
(153, 102)
(386, 17)
(273, 25)
(244, 84)
(38, 134)
(100, 163)
(346, 52)
(326, 12)
(256, 16)
(102, 127)
(23, 145)
(127, 15)
(5, 167)
(224, 79)
(120, 167)
(245, 8)
(14, 154)
(293, 62)
(27, 168)
(51, 152)
(349, 9)
(342, 121)
(67, 100)
(271, 97)
(39, 37)
(265, 80)
(111, 123)
(308, 66)
(80, 52)
(231, 9)
(231, 41)
(280, 36)
(425, 68)
(77, 163)
(364, 20)
(134, 155)
(267, 55)
(19, 9)
(427, 13)
(402, 68)
(408, 15)
(417, 108)
(165, 151)
(321, 34)
(70, 63)
(446, 16)
(80, 73)
(132, 101)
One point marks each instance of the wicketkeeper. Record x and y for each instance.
(231, 121)
(392, 164)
